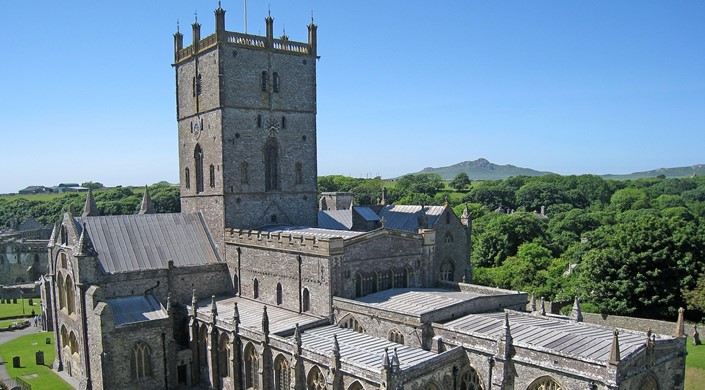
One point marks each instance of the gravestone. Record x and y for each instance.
(48, 340)
(16, 362)
(31, 302)
(14, 300)
(39, 357)
(696, 335)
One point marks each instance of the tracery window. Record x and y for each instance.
(384, 280)
(316, 380)
(224, 355)
(545, 383)
(140, 361)
(203, 346)
(396, 336)
(350, 322)
(198, 159)
(470, 380)
(271, 165)
(64, 336)
(447, 271)
(251, 368)
(282, 375)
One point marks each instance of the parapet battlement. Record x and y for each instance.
(286, 241)
(267, 42)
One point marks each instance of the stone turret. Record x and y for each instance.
(90, 209)
(147, 207)
(84, 248)
(576, 315)
(615, 358)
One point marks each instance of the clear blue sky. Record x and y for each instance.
(570, 87)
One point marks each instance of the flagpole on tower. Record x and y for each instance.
(245, 12)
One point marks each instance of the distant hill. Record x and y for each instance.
(481, 169)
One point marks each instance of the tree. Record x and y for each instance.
(460, 182)
(93, 185)
(695, 298)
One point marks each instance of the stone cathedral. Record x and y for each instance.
(262, 283)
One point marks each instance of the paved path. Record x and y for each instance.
(7, 336)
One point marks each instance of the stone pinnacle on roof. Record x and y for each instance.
(236, 314)
(336, 347)
(265, 321)
(194, 303)
(147, 207)
(395, 360)
(680, 325)
(385, 358)
(214, 307)
(84, 246)
(168, 303)
(576, 314)
(90, 209)
(532, 303)
(508, 350)
(297, 340)
(543, 307)
(615, 359)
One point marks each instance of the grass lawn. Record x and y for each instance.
(39, 377)
(8, 310)
(695, 366)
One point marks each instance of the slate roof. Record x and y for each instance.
(250, 311)
(310, 231)
(406, 217)
(136, 308)
(415, 301)
(360, 349)
(335, 219)
(127, 243)
(586, 341)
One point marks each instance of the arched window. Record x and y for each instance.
(384, 281)
(211, 175)
(545, 383)
(271, 165)
(187, 178)
(469, 380)
(236, 284)
(140, 361)
(306, 300)
(224, 355)
(396, 336)
(263, 81)
(401, 277)
(73, 344)
(299, 173)
(447, 271)
(275, 82)
(316, 380)
(251, 368)
(244, 174)
(279, 294)
(203, 346)
(350, 322)
(356, 386)
(62, 291)
(64, 261)
(282, 375)
(64, 336)
(70, 296)
(255, 288)
(198, 159)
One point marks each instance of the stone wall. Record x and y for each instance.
(633, 323)
(22, 260)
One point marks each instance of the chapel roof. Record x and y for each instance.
(136, 308)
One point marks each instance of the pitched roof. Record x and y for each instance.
(136, 308)
(126, 243)
(406, 217)
(310, 231)
(416, 301)
(335, 219)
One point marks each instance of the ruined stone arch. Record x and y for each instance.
(545, 383)
(251, 367)
(470, 380)
(73, 344)
(316, 380)
(350, 322)
(61, 293)
(64, 336)
(70, 295)
(356, 386)
(649, 383)
(282, 373)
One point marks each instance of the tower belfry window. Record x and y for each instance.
(271, 165)
(275, 82)
(198, 159)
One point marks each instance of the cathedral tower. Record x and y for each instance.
(246, 108)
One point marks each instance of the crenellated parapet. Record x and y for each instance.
(326, 246)
(268, 42)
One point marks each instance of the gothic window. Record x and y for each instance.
(356, 386)
(545, 383)
(299, 173)
(470, 380)
(64, 261)
(275, 82)
(316, 380)
(399, 280)
(396, 336)
(223, 355)
(350, 322)
(198, 159)
(271, 165)
(251, 368)
(263, 81)
(306, 300)
(358, 285)
(282, 375)
(365, 283)
(279, 294)
(140, 361)
(448, 238)
(70, 296)
(64, 337)
(62, 291)
(447, 271)
(73, 344)
(187, 178)
(384, 281)
(244, 174)
(255, 288)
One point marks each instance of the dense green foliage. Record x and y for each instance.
(113, 201)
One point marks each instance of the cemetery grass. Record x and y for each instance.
(11, 310)
(695, 367)
(39, 377)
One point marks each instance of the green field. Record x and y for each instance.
(695, 367)
(39, 377)
(10, 310)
